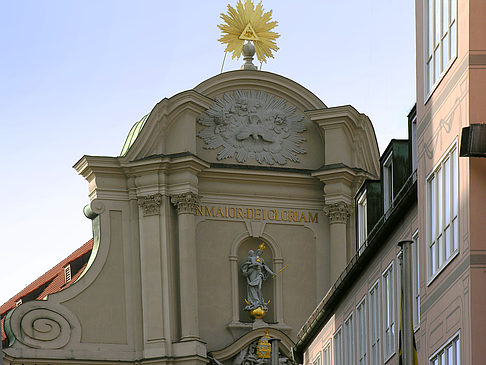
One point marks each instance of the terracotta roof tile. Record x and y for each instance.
(54, 278)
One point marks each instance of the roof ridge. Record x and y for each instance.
(46, 276)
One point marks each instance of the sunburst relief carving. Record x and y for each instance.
(253, 125)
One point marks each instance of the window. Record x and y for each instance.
(442, 206)
(388, 312)
(317, 360)
(414, 143)
(361, 330)
(388, 182)
(338, 348)
(415, 281)
(441, 40)
(449, 354)
(362, 219)
(374, 300)
(67, 274)
(348, 341)
(326, 354)
(18, 302)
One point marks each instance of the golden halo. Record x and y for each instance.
(249, 23)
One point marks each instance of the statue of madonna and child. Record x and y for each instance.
(256, 272)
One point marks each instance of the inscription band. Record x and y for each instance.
(263, 214)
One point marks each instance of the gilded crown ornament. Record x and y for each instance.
(251, 24)
(264, 348)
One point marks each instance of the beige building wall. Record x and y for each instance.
(454, 300)
(174, 220)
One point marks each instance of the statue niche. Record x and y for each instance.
(255, 282)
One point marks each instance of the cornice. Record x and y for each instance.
(91, 165)
(342, 174)
(263, 176)
(289, 202)
(334, 114)
(357, 127)
(169, 163)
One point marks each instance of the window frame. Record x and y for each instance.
(317, 359)
(392, 314)
(374, 323)
(337, 338)
(362, 219)
(348, 329)
(431, 208)
(388, 183)
(413, 138)
(361, 332)
(430, 57)
(455, 338)
(67, 274)
(327, 348)
(416, 281)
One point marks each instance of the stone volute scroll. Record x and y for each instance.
(186, 203)
(338, 212)
(42, 325)
(253, 125)
(150, 204)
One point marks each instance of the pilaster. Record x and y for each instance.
(186, 204)
(154, 285)
(340, 185)
(338, 216)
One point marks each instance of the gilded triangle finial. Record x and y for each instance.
(248, 23)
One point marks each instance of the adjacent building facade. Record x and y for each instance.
(445, 222)
(357, 321)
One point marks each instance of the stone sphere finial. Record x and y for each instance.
(248, 53)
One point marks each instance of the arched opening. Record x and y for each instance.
(268, 286)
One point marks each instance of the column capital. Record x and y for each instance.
(186, 203)
(338, 212)
(150, 204)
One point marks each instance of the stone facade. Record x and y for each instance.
(174, 221)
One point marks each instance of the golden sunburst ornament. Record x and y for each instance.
(249, 23)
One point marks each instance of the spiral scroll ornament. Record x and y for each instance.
(42, 327)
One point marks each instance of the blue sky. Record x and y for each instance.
(75, 76)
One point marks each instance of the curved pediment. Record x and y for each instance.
(294, 93)
(240, 344)
(272, 130)
(255, 119)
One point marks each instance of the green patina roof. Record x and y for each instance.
(133, 134)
